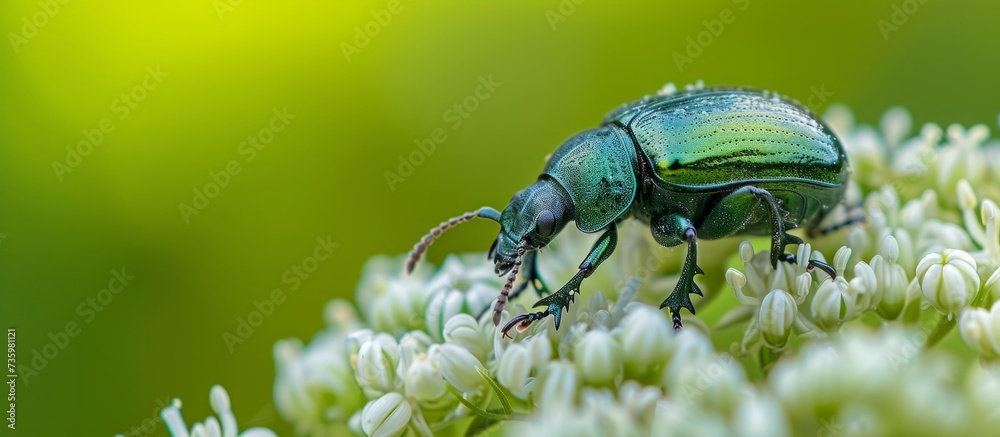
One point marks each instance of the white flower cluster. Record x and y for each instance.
(223, 426)
(846, 355)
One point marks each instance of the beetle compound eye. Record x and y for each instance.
(545, 223)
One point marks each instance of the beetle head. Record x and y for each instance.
(532, 219)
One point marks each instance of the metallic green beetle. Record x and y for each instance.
(709, 164)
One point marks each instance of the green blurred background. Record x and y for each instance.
(228, 66)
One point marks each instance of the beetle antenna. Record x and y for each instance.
(502, 299)
(425, 242)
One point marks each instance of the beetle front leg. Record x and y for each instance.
(561, 299)
(531, 277)
(669, 231)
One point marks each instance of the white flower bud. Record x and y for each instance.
(961, 157)
(865, 288)
(737, 281)
(832, 303)
(688, 418)
(803, 283)
(559, 384)
(608, 416)
(462, 330)
(907, 253)
(760, 415)
(983, 386)
(376, 366)
(948, 280)
(399, 308)
(990, 214)
(423, 380)
(598, 357)
(386, 416)
(355, 340)
(219, 400)
(966, 195)
(354, 423)
(315, 385)
(599, 315)
(746, 252)
(514, 370)
(340, 314)
(443, 305)
(936, 236)
(895, 125)
(992, 286)
(412, 346)
(839, 117)
(689, 349)
(458, 366)
(639, 399)
(777, 315)
(891, 280)
(644, 337)
(391, 301)
(225, 425)
(981, 330)
(540, 348)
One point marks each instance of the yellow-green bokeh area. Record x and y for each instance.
(158, 99)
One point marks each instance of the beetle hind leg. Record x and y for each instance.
(813, 264)
(780, 236)
(779, 225)
(855, 215)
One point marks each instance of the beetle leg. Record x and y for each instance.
(671, 231)
(856, 216)
(813, 264)
(779, 226)
(522, 322)
(561, 299)
(531, 277)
